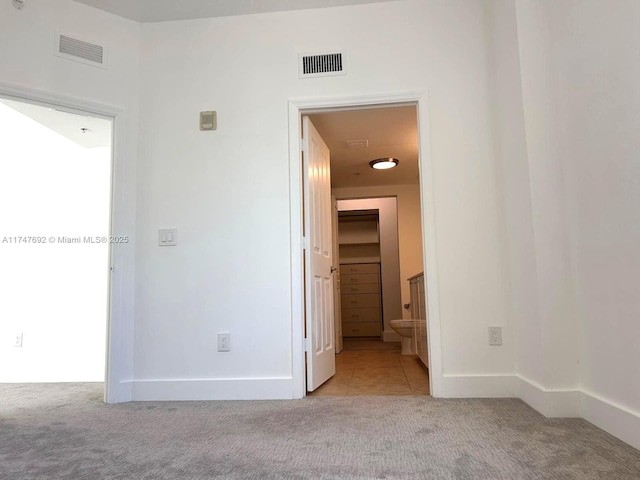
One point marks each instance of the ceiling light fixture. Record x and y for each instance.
(384, 163)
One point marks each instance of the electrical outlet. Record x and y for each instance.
(495, 336)
(17, 340)
(224, 342)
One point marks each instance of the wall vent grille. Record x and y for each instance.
(321, 65)
(79, 50)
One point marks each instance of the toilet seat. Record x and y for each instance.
(405, 328)
(402, 323)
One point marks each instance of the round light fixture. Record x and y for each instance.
(384, 163)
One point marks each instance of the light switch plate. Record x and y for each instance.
(167, 237)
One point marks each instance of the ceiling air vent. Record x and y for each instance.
(321, 65)
(79, 50)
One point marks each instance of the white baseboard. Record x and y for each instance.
(214, 389)
(119, 392)
(619, 421)
(551, 403)
(390, 336)
(478, 386)
(615, 419)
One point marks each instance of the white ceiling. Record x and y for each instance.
(165, 10)
(391, 132)
(70, 125)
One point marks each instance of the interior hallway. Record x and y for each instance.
(368, 366)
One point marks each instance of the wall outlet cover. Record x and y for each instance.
(224, 342)
(495, 336)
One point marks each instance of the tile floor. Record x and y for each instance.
(371, 367)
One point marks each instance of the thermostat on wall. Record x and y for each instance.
(208, 120)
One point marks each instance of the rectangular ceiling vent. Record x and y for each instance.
(364, 143)
(79, 50)
(321, 65)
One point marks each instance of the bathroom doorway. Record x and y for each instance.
(379, 248)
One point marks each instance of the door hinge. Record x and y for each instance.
(305, 243)
(306, 344)
(303, 144)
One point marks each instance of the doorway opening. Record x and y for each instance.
(355, 136)
(55, 182)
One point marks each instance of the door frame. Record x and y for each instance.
(299, 107)
(120, 289)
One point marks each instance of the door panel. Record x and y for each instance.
(318, 259)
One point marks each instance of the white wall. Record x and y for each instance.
(565, 78)
(546, 327)
(511, 148)
(28, 66)
(409, 227)
(533, 139)
(54, 293)
(597, 64)
(560, 327)
(227, 191)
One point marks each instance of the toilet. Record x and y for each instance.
(404, 328)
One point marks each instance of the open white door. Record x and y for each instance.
(337, 306)
(321, 362)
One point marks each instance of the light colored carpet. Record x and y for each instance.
(63, 431)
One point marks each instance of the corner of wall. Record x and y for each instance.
(118, 392)
(550, 403)
(613, 418)
(605, 414)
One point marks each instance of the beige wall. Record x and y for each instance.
(409, 227)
